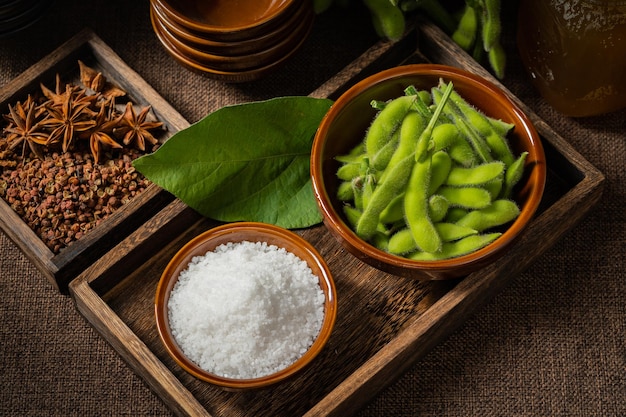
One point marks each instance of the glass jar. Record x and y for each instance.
(575, 53)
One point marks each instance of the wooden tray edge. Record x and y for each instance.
(426, 331)
(59, 269)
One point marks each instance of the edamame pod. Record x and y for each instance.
(496, 214)
(387, 18)
(352, 215)
(441, 166)
(444, 135)
(394, 211)
(466, 197)
(467, 30)
(514, 174)
(382, 158)
(382, 196)
(450, 232)
(437, 207)
(457, 248)
(410, 130)
(416, 208)
(478, 175)
(386, 122)
(345, 191)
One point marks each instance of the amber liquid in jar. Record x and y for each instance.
(575, 53)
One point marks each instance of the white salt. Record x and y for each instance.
(246, 310)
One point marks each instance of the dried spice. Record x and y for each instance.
(66, 156)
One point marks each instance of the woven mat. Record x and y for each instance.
(552, 343)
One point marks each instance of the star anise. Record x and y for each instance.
(135, 128)
(24, 128)
(101, 133)
(97, 82)
(72, 116)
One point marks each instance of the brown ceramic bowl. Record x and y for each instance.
(348, 119)
(233, 48)
(238, 232)
(217, 21)
(251, 60)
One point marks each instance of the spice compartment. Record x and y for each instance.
(384, 323)
(60, 267)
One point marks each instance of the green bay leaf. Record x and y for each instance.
(245, 162)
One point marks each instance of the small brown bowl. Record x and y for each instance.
(238, 232)
(246, 20)
(345, 125)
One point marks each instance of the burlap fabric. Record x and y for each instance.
(551, 344)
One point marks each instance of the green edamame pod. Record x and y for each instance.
(382, 158)
(491, 25)
(467, 30)
(466, 197)
(441, 166)
(478, 143)
(348, 171)
(382, 196)
(401, 242)
(494, 187)
(457, 248)
(381, 241)
(357, 191)
(450, 232)
(497, 59)
(501, 127)
(368, 189)
(454, 214)
(477, 175)
(386, 122)
(416, 208)
(437, 207)
(514, 174)
(461, 152)
(387, 18)
(444, 135)
(345, 191)
(394, 211)
(409, 131)
(352, 215)
(496, 214)
(356, 154)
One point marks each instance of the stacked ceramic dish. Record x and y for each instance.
(16, 15)
(232, 41)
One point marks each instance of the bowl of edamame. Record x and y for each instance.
(427, 171)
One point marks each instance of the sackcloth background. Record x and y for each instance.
(552, 343)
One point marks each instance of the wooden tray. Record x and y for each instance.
(385, 323)
(61, 268)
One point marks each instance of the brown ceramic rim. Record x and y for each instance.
(226, 48)
(235, 32)
(239, 62)
(536, 163)
(229, 76)
(236, 232)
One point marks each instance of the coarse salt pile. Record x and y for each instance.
(246, 310)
